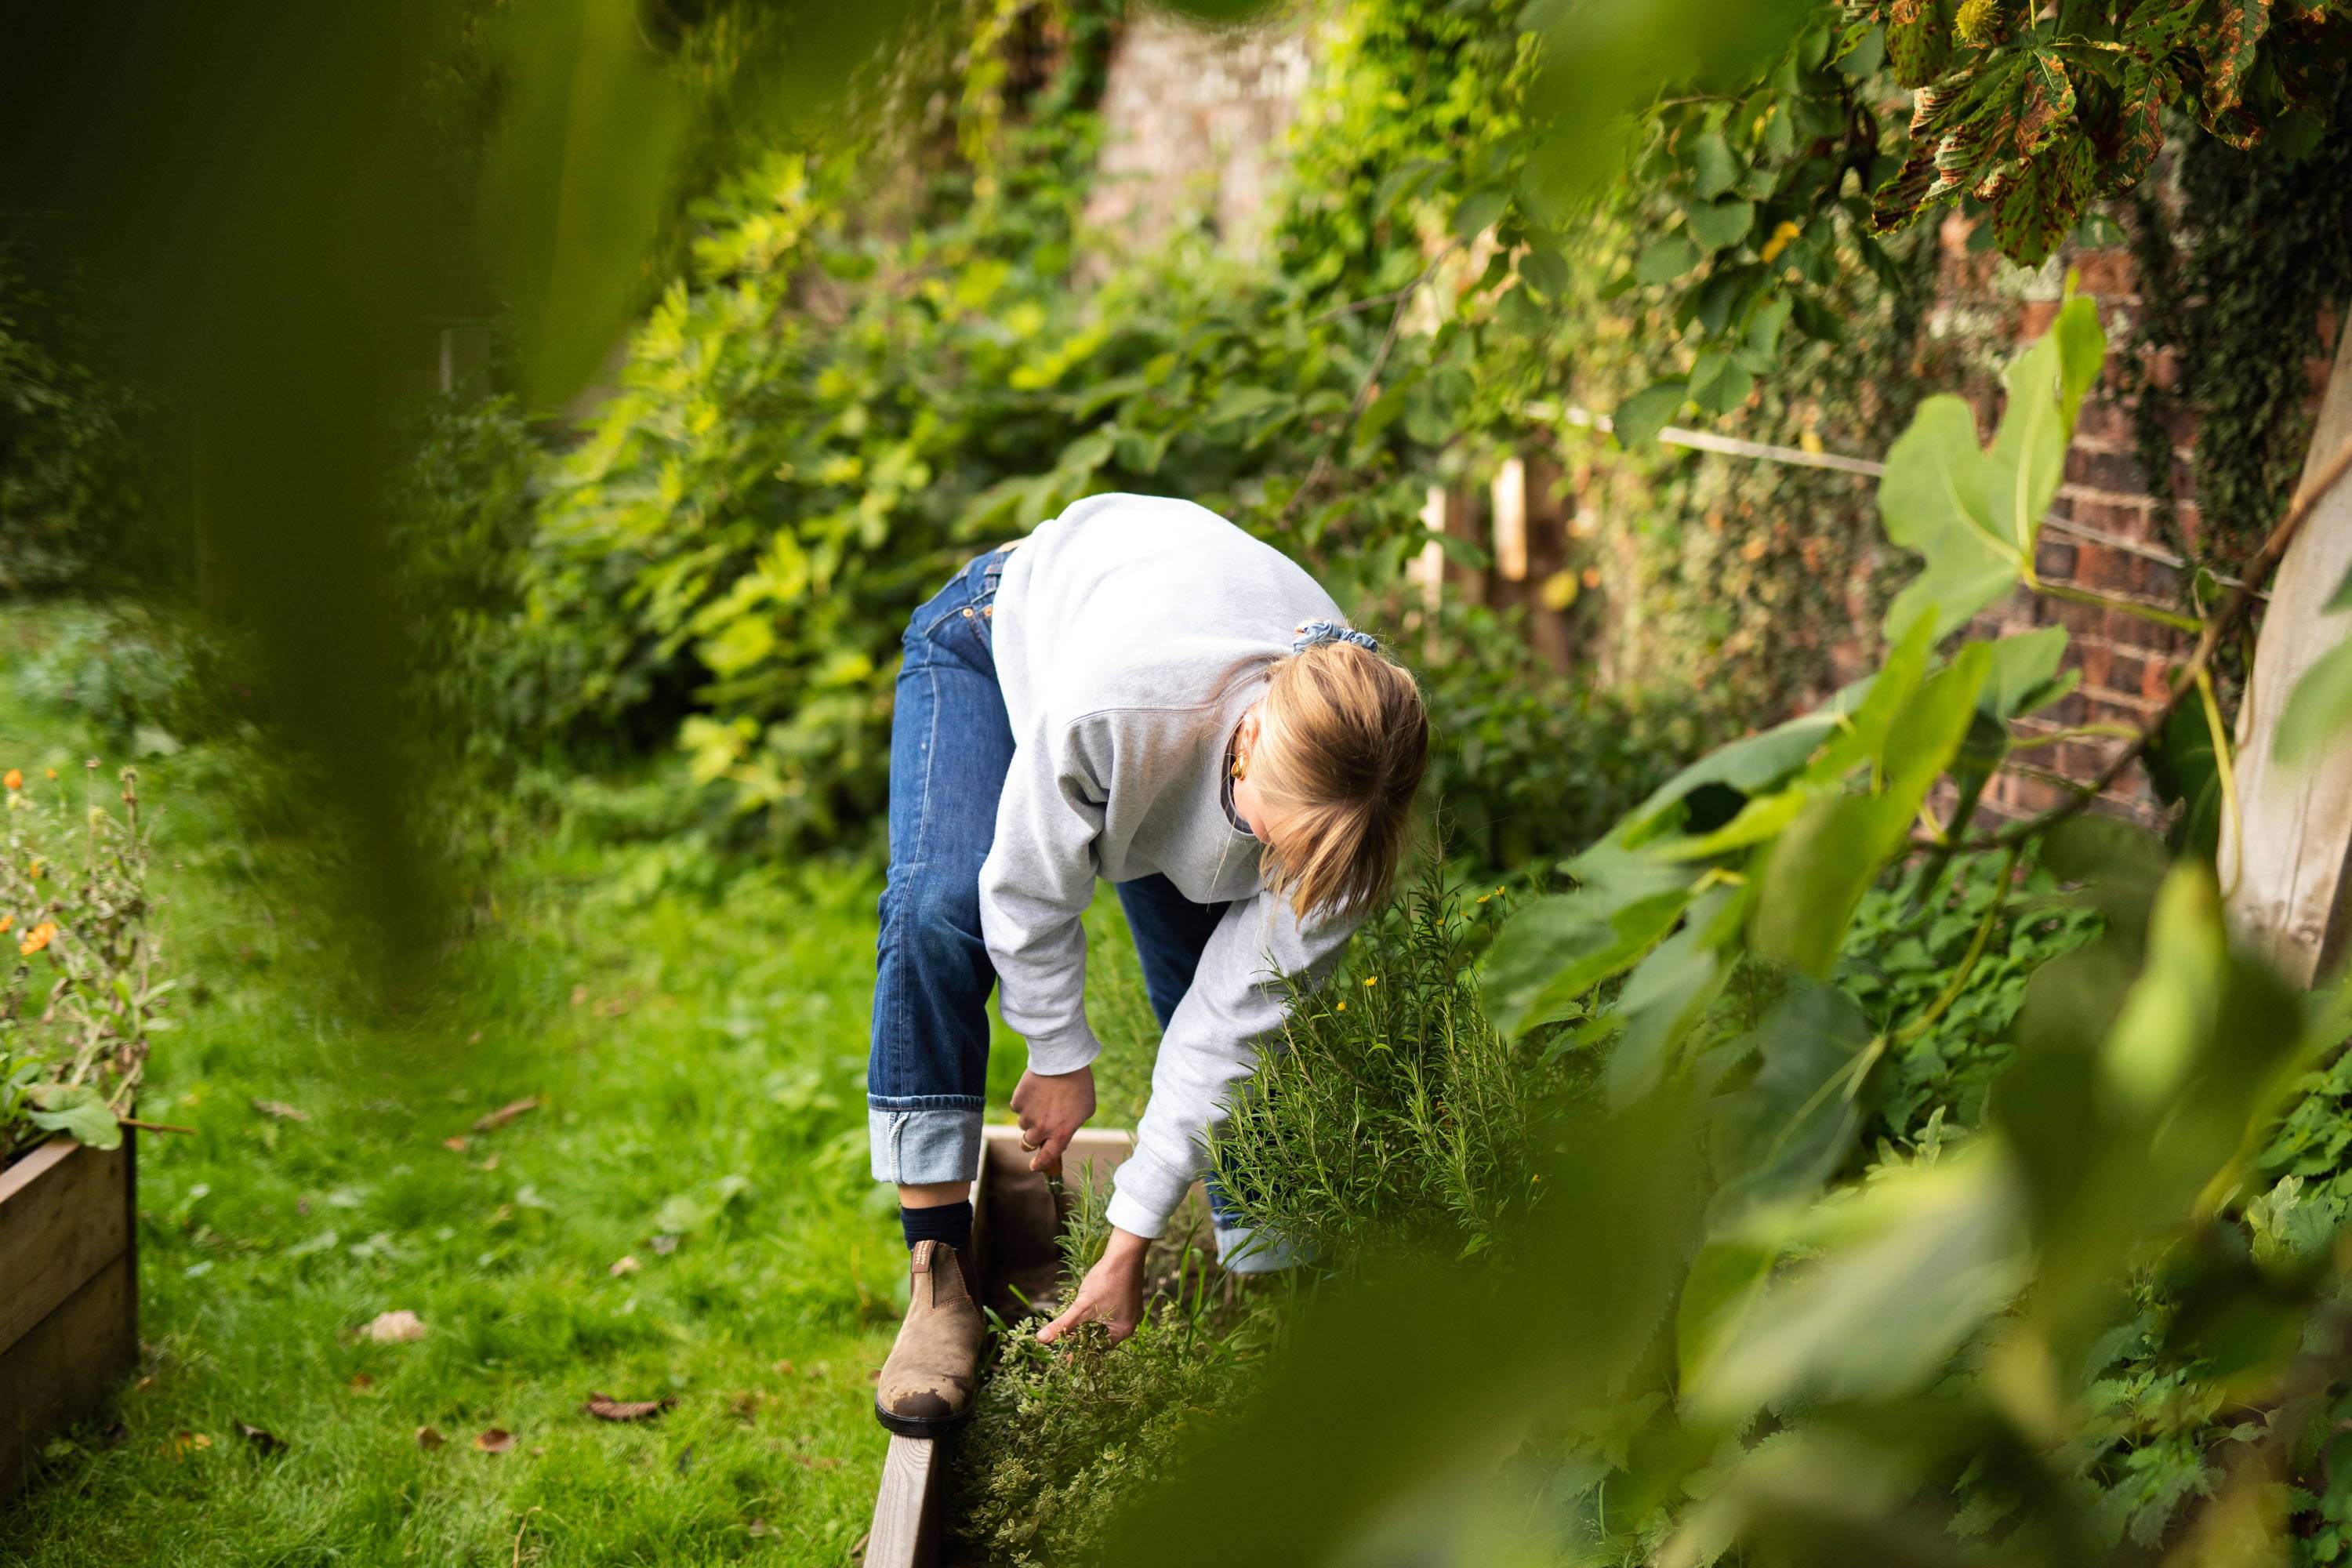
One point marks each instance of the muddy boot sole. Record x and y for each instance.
(920, 1425)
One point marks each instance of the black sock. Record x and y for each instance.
(951, 1223)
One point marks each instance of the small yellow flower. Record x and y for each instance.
(1371, 981)
(1780, 240)
(1343, 1006)
(38, 937)
(34, 870)
(13, 779)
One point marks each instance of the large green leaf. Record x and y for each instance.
(1938, 499)
(1426, 1373)
(2319, 708)
(76, 1109)
(1790, 1129)
(577, 182)
(1747, 766)
(1559, 948)
(1669, 990)
(1907, 1270)
(1919, 40)
(2128, 1111)
(1640, 417)
(1816, 873)
(1975, 513)
(2024, 672)
(1726, 1280)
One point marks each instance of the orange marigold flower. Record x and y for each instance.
(38, 937)
(6, 920)
(15, 779)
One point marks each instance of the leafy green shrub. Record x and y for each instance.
(1899, 961)
(1392, 1115)
(833, 406)
(77, 491)
(124, 669)
(463, 511)
(85, 988)
(1527, 764)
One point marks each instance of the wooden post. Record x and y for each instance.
(2287, 876)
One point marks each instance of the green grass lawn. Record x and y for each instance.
(685, 1214)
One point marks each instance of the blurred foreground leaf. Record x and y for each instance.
(1440, 1370)
(578, 182)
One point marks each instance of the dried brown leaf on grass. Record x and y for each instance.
(395, 1328)
(605, 1407)
(426, 1437)
(505, 1113)
(496, 1440)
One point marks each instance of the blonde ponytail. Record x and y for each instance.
(1343, 741)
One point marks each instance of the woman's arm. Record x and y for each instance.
(1034, 888)
(1238, 997)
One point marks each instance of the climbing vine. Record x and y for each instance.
(2241, 258)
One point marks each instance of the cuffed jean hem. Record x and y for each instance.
(1248, 1249)
(916, 1148)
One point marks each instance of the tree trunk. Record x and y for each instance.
(2287, 878)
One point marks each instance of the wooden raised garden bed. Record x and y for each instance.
(68, 1291)
(1015, 1222)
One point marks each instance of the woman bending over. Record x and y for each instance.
(1140, 693)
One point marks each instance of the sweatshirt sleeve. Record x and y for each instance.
(1034, 888)
(1238, 997)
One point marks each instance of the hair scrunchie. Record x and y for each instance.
(1313, 632)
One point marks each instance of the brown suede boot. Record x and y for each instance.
(926, 1386)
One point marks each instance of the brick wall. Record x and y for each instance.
(2107, 535)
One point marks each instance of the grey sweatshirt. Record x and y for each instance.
(1131, 634)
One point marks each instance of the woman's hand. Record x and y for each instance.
(1052, 1110)
(1111, 1293)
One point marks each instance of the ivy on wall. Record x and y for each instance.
(2240, 260)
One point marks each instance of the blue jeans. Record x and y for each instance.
(951, 746)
